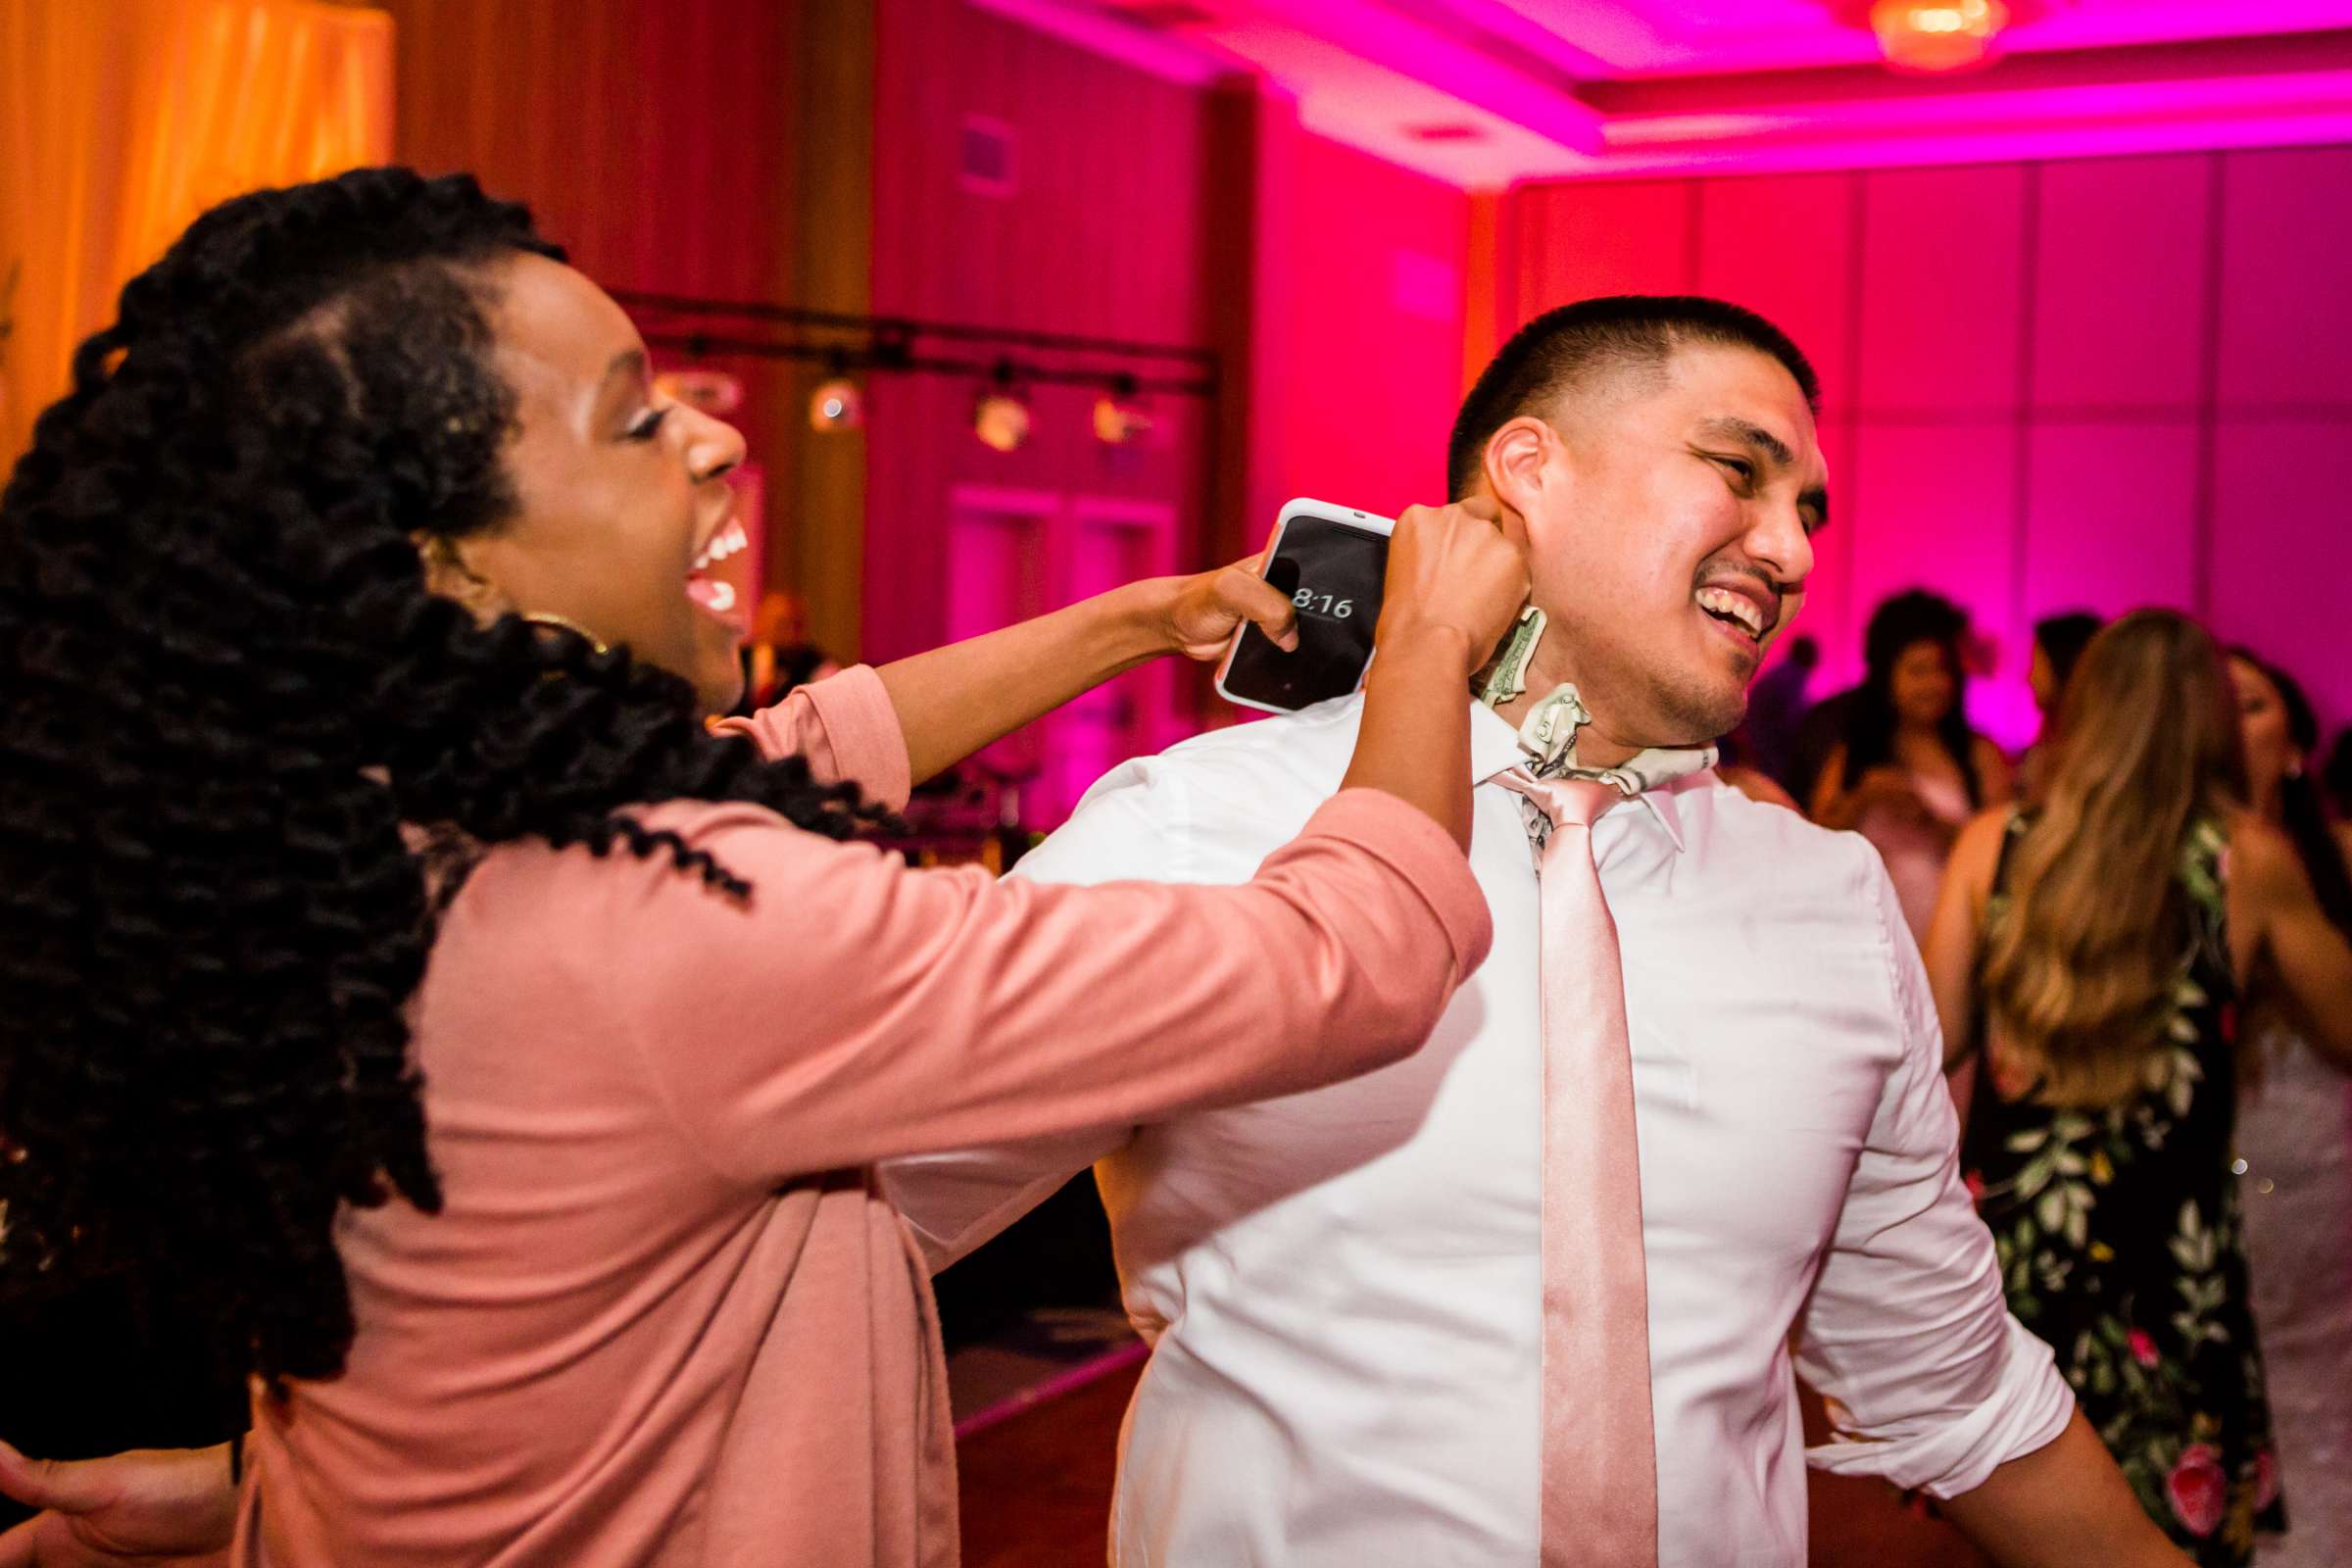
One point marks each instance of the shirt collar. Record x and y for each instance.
(1496, 746)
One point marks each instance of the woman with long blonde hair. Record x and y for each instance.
(2087, 958)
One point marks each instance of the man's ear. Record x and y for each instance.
(1518, 468)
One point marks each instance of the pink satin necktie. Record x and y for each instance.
(1600, 1474)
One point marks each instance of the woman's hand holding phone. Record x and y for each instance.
(1203, 610)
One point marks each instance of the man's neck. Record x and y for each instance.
(1595, 746)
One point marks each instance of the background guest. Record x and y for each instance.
(1775, 711)
(2294, 1138)
(2085, 959)
(1908, 771)
(2058, 643)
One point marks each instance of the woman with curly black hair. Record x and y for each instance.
(400, 984)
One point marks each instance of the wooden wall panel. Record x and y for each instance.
(655, 142)
(650, 139)
(1101, 233)
(1575, 241)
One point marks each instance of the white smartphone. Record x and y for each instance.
(1332, 562)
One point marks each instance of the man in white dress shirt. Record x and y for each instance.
(1342, 1288)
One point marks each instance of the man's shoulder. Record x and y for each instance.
(1311, 748)
(1316, 730)
(1207, 808)
(1800, 851)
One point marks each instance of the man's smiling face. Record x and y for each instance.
(1671, 536)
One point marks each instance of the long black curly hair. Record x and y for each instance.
(232, 720)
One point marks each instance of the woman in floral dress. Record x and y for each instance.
(2086, 959)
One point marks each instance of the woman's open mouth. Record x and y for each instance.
(713, 592)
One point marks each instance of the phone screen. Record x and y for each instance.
(1333, 574)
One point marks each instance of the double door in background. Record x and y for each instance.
(1014, 554)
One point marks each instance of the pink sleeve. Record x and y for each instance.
(844, 725)
(854, 1010)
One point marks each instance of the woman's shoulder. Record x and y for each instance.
(2251, 837)
(2257, 859)
(676, 862)
(1977, 852)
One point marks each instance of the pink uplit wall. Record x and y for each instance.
(2092, 383)
(1368, 260)
(1098, 232)
(1132, 213)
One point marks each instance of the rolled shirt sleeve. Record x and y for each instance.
(1931, 1382)
(844, 727)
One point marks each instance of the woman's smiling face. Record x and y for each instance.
(621, 493)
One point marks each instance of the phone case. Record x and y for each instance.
(1349, 517)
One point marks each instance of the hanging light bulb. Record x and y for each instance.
(1000, 418)
(1120, 416)
(836, 403)
(1931, 36)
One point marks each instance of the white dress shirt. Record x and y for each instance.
(1341, 1288)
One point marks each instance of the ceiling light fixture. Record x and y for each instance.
(1932, 36)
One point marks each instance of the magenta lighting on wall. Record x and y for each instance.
(1934, 35)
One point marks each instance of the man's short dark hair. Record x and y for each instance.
(1568, 345)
